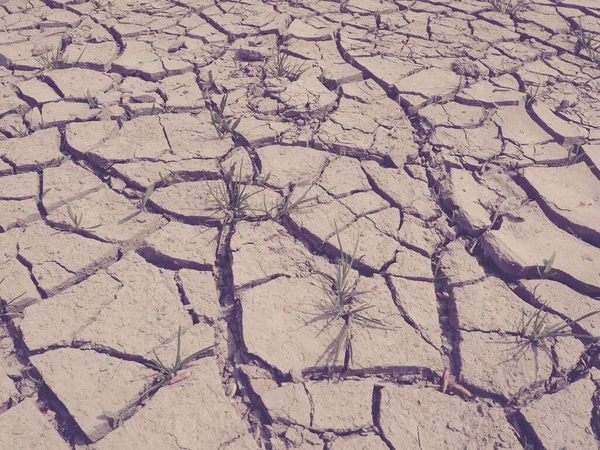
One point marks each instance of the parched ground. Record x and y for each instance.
(197, 174)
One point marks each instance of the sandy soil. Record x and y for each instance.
(368, 213)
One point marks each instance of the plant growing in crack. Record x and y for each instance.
(282, 67)
(165, 376)
(92, 101)
(221, 123)
(77, 220)
(510, 7)
(588, 43)
(7, 307)
(232, 199)
(343, 306)
(534, 332)
(506, 209)
(546, 269)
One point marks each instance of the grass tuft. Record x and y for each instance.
(165, 375)
(534, 332)
(77, 220)
(232, 199)
(510, 7)
(281, 67)
(588, 43)
(223, 125)
(344, 306)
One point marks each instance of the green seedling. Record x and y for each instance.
(20, 131)
(99, 4)
(546, 271)
(286, 206)
(588, 43)
(7, 307)
(282, 67)
(92, 101)
(40, 198)
(575, 154)
(510, 7)
(220, 121)
(146, 196)
(56, 59)
(232, 197)
(534, 332)
(77, 220)
(505, 209)
(344, 306)
(165, 375)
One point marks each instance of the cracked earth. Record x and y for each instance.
(455, 147)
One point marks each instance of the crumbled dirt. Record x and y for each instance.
(379, 220)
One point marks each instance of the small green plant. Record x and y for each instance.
(344, 305)
(510, 7)
(546, 270)
(99, 4)
(232, 197)
(7, 308)
(220, 121)
(505, 209)
(282, 67)
(92, 101)
(77, 220)
(532, 94)
(534, 332)
(40, 198)
(54, 59)
(20, 131)
(588, 43)
(286, 206)
(323, 77)
(146, 196)
(575, 154)
(165, 375)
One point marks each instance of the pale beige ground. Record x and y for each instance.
(457, 147)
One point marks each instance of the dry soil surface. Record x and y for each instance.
(370, 214)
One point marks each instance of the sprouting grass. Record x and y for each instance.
(92, 101)
(222, 124)
(57, 58)
(77, 220)
(165, 375)
(232, 199)
(344, 306)
(588, 43)
(54, 59)
(509, 7)
(534, 332)
(546, 269)
(286, 206)
(505, 209)
(281, 67)
(7, 307)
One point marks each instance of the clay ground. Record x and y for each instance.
(379, 220)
